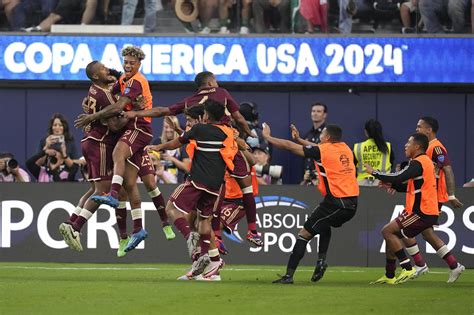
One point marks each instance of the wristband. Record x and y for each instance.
(452, 197)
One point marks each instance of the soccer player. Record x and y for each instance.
(137, 135)
(212, 148)
(97, 146)
(421, 211)
(208, 88)
(445, 189)
(337, 183)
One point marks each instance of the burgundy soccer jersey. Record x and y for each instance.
(440, 157)
(97, 99)
(217, 94)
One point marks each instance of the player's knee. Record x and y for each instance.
(305, 234)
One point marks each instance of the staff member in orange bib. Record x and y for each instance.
(421, 208)
(337, 183)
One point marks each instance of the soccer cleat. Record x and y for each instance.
(169, 234)
(201, 263)
(455, 273)
(255, 238)
(405, 275)
(319, 271)
(192, 243)
(384, 280)
(122, 244)
(286, 279)
(221, 246)
(136, 239)
(106, 199)
(71, 236)
(210, 278)
(214, 268)
(421, 271)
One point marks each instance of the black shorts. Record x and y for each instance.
(331, 212)
(70, 10)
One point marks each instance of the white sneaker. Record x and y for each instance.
(420, 271)
(455, 273)
(206, 30)
(213, 268)
(210, 278)
(224, 30)
(71, 236)
(244, 30)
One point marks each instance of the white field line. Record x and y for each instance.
(172, 269)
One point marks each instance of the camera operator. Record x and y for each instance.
(310, 178)
(55, 159)
(266, 174)
(249, 111)
(10, 172)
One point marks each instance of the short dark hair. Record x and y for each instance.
(6, 155)
(194, 111)
(90, 69)
(214, 109)
(320, 104)
(421, 140)
(432, 122)
(335, 132)
(202, 77)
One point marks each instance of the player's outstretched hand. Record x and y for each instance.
(83, 120)
(455, 203)
(266, 132)
(153, 148)
(139, 103)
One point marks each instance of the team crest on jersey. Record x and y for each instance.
(441, 158)
(126, 91)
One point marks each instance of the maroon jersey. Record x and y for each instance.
(97, 99)
(217, 94)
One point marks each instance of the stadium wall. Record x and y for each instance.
(31, 213)
(25, 113)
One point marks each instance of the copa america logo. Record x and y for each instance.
(278, 218)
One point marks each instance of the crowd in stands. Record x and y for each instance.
(249, 16)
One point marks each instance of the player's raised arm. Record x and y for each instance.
(240, 120)
(171, 145)
(153, 112)
(281, 143)
(109, 111)
(295, 134)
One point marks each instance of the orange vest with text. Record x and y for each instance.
(337, 167)
(441, 178)
(228, 151)
(146, 92)
(232, 188)
(424, 199)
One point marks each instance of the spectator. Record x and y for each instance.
(433, 12)
(276, 10)
(57, 151)
(22, 12)
(249, 111)
(128, 13)
(8, 6)
(316, 14)
(172, 160)
(347, 9)
(162, 176)
(245, 13)
(66, 12)
(374, 151)
(10, 171)
(266, 174)
(407, 10)
(319, 113)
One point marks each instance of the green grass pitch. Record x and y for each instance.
(49, 288)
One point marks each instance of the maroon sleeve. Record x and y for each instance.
(133, 90)
(231, 105)
(116, 88)
(440, 157)
(177, 108)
